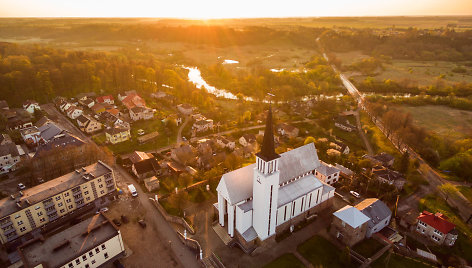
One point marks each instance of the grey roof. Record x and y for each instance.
(44, 120)
(246, 206)
(327, 188)
(50, 188)
(250, 234)
(59, 141)
(30, 130)
(298, 188)
(49, 131)
(9, 148)
(60, 248)
(326, 169)
(375, 209)
(82, 119)
(292, 164)
(351, 216)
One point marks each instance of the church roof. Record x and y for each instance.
(294, 163)
(267, 152)
(300, 187)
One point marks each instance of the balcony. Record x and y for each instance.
(76, 189)
(78, 198)
(6, 224)
(52, 211)
(48, 205)
(9, 231)
(53, 217)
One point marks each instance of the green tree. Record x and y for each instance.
(309, 139)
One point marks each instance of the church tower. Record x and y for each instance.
(266, 184)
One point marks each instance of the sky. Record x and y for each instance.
(207, 9)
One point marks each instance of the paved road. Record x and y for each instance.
(362, 134)
(186, 257)
(434, 178)
(179, 134)
(166, 233)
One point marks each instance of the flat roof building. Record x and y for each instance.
(90, 243)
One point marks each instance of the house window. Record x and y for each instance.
(20, 222)
(58, 198)
(42, 220)
(62, 210)
(71, 207)
(68, 200)
(84, 258)
(90, 254)
(40, 213)
(100, 186)
(93, 261)
(438, 232)
(88, 198)
(77, 261)
(87, 266)
(59, 204)
(86, 192)
(102, 192)
(66, 194)
(22, 229)
(422, 223)
(97, 250)
(105, 255)
(104, 247)
(71, 265)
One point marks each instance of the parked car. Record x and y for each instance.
(103, 210)
(21, 186)
(124, 219)
(355, 194)
(140, 132)
(142, 223)
(117, 222)
(132, 190)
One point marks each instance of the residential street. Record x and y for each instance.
(166, 233)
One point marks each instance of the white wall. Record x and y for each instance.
(243, 220)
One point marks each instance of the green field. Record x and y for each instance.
(368, 247)
(321, 253)
(287, 260)
(442, 120)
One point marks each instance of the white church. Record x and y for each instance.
(276, 192)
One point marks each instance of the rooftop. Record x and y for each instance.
(438, 221)
(326, 169)
(375, 209)
(50, 188)
(60, 248)
(9, 148)
(351, 216)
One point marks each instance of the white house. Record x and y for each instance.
(273, 194)
(185, 108)
(223, 142)
(73, 112)
(65, 106)
(141, 113)
(247, 139)
(30, 106)
(327, 173)
(203, 125)
(378, 213)
(9, 157)
(31, 136)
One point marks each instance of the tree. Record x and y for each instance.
(346, 256)
(179, 200)
(309, 139)
(404, 162)
(448, 189)
(185, 180)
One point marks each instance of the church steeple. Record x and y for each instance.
(267, 152)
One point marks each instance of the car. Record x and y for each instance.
(142, 223)
(21, 186)
(103, 210)
(132, 190)
(355, 194)
(117, 222)
(140, 132)
(124, 219)
(184, 139)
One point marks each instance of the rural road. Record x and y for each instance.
(434, 178)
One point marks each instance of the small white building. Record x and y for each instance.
(30, 106)
(31, 136)
(9, 157)
(90, 243)
(327, 173)
(203, 125)
(73, 112)
(223, 142)
(141, 113)
(276, 192)
(185, 108)
(247, 139)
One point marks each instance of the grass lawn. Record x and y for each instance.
(320, 252)
(442, 120)
(466, 191)
(368, 247)
(377, 139)
(287, 260)
(435, 204)
(391, 260)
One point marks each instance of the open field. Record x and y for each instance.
(442, 120)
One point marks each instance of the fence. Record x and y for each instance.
(172, 218)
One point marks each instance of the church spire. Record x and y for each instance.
(267, 152)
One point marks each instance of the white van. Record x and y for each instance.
(132, 190)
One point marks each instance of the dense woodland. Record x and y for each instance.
(412, 44)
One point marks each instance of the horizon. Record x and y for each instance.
(244, 9)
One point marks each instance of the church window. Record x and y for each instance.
(301, 205)
(309, 202)
(285, 213)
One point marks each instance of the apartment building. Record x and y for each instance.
(55, 201)
(90, 243)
